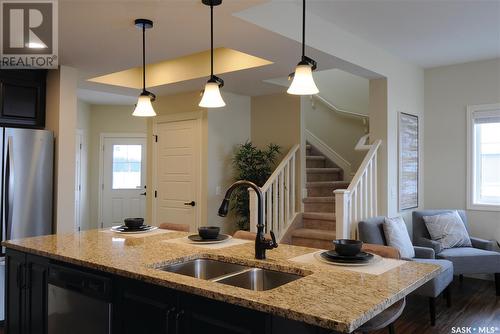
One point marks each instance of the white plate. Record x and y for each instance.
(376, 258)
(115, 229)
(208, 242)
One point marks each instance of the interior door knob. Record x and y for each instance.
(192, 203)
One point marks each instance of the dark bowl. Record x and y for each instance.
(347, 247)
(209, 232)
(134, 222)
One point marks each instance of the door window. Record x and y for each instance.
(127, 162)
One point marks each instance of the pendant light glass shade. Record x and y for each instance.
(144, 108)
(303, 82)
(211, 96)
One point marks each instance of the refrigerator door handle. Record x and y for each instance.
(9, 189)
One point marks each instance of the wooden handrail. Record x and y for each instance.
(339, 110)
(359, 200)
(361, 170)
(279, 209)
(280, 167)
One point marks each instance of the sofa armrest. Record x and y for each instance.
(424, 242)
(482, 244)
(424, 252)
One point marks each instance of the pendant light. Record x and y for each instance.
(303, 81)
(144, 108)
(211, 94)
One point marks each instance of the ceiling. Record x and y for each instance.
(98, 37)
(429, 33)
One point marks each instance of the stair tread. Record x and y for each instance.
(309, 233)
(319, 199)
(324, 170)
(326, 183)
(319, 215)
(315, 157)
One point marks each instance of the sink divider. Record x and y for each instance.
(236, 273)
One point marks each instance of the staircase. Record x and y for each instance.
(322, 178)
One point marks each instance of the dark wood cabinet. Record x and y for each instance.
(202, 315)
(22, 98)
(15, 263)
(143, 308)
(26, 293)
(136, 307)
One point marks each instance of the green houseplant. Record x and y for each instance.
(252, 164)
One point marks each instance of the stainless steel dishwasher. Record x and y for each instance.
(78, 302)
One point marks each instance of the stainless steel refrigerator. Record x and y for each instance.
(26, 187)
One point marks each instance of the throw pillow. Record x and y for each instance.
(397, 236)
(448, 229)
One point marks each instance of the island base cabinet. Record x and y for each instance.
(143, 308)
(202, 315)
(26, 293)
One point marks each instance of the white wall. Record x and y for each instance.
(448, 91)
(228, 127)
(61, 119)
(405, 82)
(83, 125)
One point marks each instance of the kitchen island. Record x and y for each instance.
(324, 299)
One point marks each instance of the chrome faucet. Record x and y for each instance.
(261, 244)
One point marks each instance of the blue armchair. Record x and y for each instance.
(478, 259)
(371, 231)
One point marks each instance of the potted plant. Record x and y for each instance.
(252, 164)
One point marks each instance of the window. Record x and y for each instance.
(484, 157)
(127, 161)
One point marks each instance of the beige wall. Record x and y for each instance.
(448, 91)
(228, 127)
(277, 119)
(339, 132)
(61, 119)
(107, 119)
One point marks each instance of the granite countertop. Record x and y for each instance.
(330, 297)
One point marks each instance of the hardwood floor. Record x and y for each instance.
(474, 304)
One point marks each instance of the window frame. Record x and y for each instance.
(471, 149)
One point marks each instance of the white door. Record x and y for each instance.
(177, 173)
(123, 179)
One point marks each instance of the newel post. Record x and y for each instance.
(342, 214)
(253, 207)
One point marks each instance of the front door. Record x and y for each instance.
(178, 173)
(123, 179)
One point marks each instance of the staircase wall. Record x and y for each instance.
(339, 132)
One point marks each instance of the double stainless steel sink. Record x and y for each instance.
(242, 276)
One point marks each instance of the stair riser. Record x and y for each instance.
(319, 207)
(320, 191)
(315, 163)
(319, 224)
(311, 177)
(312, 243)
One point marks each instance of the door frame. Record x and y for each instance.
(102, 137)
(79, 137)
(200, 190)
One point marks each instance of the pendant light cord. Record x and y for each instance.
(303, 28)
(211, 40)
(143, 57)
